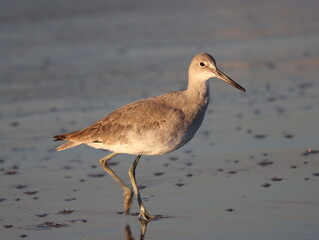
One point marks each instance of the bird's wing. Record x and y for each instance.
(138, 117)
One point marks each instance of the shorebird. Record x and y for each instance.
(151, 126)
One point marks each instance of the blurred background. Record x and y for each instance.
(67, 63)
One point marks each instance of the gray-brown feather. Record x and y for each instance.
(113, 129)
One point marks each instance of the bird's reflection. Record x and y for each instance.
(128, 233)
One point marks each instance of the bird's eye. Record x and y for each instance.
(202, 64)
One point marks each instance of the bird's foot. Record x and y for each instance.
(145, 217)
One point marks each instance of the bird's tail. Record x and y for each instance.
(66, 145)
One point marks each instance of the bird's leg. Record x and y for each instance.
(143, 213)
(143, 216)
(128, 194)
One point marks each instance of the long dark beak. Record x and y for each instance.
(224, 77)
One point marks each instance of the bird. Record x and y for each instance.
(151, 126)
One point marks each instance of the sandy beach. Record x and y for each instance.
(251, 171)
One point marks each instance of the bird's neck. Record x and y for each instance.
(195, 105)
(198, 90)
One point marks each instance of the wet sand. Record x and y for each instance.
(252, 170)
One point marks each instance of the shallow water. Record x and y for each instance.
(246, 174)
